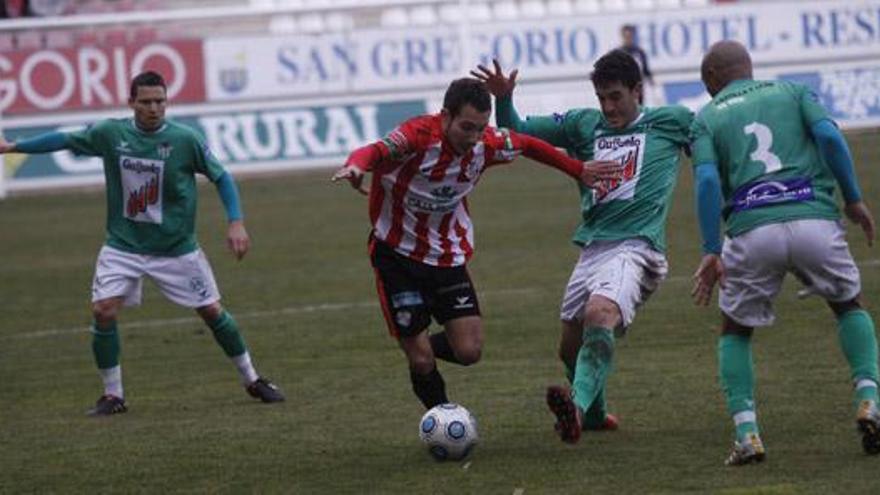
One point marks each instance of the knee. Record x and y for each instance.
(105, 311)
(602, 313)
(421, 364)
(469, 355)
(841, 308)
(210, 313)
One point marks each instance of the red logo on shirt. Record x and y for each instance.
(144, 196)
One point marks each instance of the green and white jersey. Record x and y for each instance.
(758, 133)
(151, 186)
(649, 148)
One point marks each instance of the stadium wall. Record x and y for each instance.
(287, 102)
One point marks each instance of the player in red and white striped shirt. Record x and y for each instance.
(422, 232)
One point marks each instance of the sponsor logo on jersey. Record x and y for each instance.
(444, 192)
(142, 188)
(764, 193)
(628, 150)
(122, 147)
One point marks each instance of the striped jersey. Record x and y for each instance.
(418, 197)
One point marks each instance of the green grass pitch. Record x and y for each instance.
(306, 301)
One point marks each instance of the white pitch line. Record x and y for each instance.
(309, 308)
(269, 313)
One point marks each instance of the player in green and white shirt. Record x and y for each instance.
(767, 160)
(149, 167)
(622, 233)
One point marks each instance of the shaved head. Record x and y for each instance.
(725, 62)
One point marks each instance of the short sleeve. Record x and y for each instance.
(206, 162)
(558, 129)
(402, 140)
(702, 143)
(91, 141)
(812, 110)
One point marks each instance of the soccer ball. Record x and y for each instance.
(450, 431)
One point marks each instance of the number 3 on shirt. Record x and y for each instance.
(762, 153)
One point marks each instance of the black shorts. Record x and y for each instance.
(411, 292)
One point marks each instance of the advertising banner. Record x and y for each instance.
(775, 33)
(95, 77)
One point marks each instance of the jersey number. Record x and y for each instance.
(762, 153)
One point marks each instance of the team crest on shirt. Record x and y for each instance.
(630, 151)
(164, 150)
(141, 180)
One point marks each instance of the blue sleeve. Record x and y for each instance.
(44, 143)
(836, 153)
(229, 196)
(709, 200)
(506, 116)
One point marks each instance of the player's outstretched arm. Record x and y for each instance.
(43, 143)
(596, 171)
(501, 87)
(359, 162)
(354, 175)
(588, 173)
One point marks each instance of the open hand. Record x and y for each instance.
(496, 82)
(710, 272)
(6, 146)
(595, 171)
(860, 214)
(353, 175)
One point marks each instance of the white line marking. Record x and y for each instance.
(519, 491)
(309, 308)
(251, 315)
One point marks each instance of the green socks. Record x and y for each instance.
(594, 417)
(594, 364)
(226, 333)
(859, 345)
(105, 346)
(738, 381)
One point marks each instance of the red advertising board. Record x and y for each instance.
(90, 77)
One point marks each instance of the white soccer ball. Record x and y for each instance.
(450, 431)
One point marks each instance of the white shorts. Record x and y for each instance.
(626, 271)
(756, 262)
(186, 280)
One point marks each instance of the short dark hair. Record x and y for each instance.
(628, 27)
(616, 66)
(148, 78)
(467, 91)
